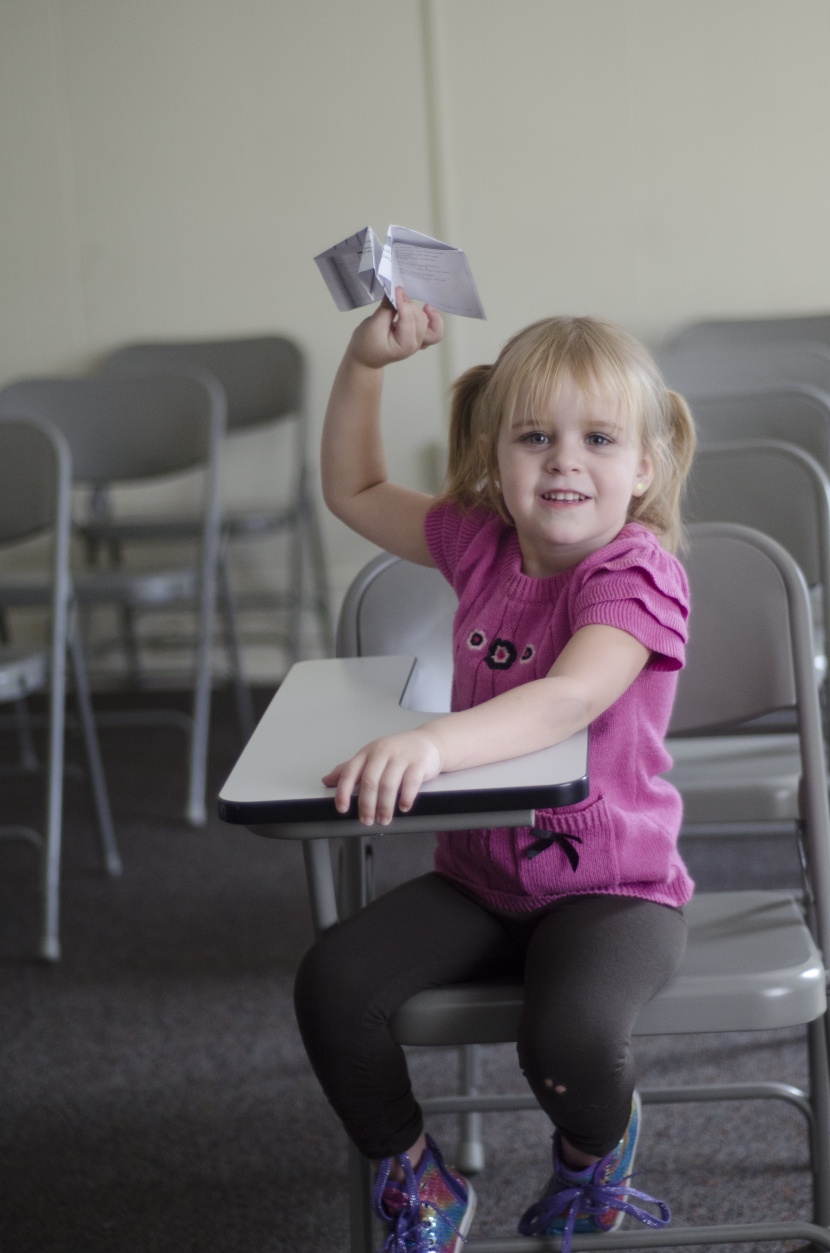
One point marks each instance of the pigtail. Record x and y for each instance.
(660, 507)
(470, 478)
(684, 443)
(683, 434)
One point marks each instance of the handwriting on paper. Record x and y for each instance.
(359, 270)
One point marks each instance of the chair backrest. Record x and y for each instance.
(750, 652)
(123, 428)
(750, 616)
(771, 486)
(706, 370)
(727, 332)
(263, 376)
(394, 607)
(799, 416)
(36, 496)
(35, 479)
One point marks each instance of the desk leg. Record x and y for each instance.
(321, 893)
(360, 1209)
(353, 880)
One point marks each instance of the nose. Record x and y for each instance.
(564, 455)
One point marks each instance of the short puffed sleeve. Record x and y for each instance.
(450, 535)
(635, 585)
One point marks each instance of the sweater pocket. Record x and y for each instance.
(568, 851)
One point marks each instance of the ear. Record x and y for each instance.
(644, 476)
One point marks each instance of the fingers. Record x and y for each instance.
(416, 326)
(387, 772)
(435, 327)
(389, 334)
(344, 779)
(397, 783)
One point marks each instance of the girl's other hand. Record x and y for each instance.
(391, 334)
(383, 769)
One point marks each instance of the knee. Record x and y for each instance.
(561, 1064)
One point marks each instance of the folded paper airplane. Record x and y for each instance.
(359, 270)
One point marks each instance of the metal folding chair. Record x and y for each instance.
(754, 959)
(135, 430)
(35, 484)
(264, 380)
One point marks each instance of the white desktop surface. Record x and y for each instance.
(326, 710)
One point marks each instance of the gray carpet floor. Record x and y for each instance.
(154, 1094)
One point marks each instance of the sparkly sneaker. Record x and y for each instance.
(592, 1199)
(430, 1212)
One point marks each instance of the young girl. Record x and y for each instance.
(567, 458)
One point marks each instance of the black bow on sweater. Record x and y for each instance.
(546, 839)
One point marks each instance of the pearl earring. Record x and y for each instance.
(639, 489)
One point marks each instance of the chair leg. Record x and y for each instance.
(242, 695)
(129, 634)
(360, 1209)
(95, 766)
(196, 812)
(819, 1054)
(50, 945)
(470, 1154)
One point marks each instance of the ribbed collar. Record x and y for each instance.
(520, 586)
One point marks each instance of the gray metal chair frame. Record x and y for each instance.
(783, 491)
(759, 332)
(264, 379)
(709, 370)
(35, 487)
(779, 489)
(742, 783)
(797, 415)
(745, 587)
(132, 429)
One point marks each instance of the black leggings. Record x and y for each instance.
(588, 963)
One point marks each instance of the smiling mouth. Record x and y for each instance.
(566, 498)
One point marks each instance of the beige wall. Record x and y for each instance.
(170, 167)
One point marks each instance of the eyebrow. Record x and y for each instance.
(531, 423)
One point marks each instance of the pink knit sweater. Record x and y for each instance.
(509, 629)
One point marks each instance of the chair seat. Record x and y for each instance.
(736, 778)
(740, 944)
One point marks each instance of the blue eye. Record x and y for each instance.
(536, 438)
(598, 439)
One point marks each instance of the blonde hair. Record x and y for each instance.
(601, 359)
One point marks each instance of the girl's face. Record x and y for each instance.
(567, 478)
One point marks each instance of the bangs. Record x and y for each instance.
(536, 373)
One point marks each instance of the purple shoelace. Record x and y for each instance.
(592, 1198)
(404, 1234)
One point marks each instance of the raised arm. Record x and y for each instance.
(353, 465)
(592, 671)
